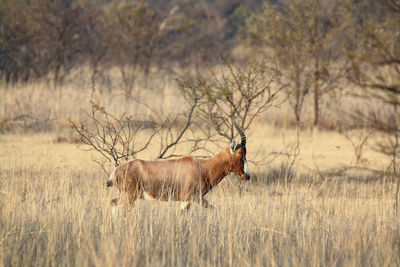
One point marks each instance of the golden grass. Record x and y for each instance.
(54, 210)
(54, 206)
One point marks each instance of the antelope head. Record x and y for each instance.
(238, 155)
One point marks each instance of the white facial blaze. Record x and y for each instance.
(246, 168)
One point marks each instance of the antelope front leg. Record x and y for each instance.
(204, 203)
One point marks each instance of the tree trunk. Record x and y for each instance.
(316, 47)
(297, 112)
(316, 103)
(316, 90)
(298, 104)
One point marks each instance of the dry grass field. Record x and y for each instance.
(54, 205)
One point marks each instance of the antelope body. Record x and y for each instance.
(184, 179)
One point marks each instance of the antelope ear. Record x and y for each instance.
(233, 146)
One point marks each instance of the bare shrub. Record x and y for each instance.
(246, 92)
(115, 138)
(358, 140)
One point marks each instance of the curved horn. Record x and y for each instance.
(240, 130)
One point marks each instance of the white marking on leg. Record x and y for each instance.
(185, 205)
(147, 196)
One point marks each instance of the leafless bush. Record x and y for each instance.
(115, 138)
(358, 141)
(286, 172)
(389, 127)
(246, 92)
(290, 157)
(170, 138)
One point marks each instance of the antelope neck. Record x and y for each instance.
(217, 167)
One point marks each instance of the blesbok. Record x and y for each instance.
(185, 179)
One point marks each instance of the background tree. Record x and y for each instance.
(303, 38)
(16, 57)
(56, 26)
(46, 38)
(135, 29)
(94, 39)
(375, 61)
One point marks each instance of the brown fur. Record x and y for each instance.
(184, 179)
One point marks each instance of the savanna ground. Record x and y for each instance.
(54, 206)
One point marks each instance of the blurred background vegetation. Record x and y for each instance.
(42, 37)
(313, 40)
(316, 44)
(232, 56)
(319, 53)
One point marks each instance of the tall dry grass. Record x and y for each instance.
(54, 206)
(54, 210)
